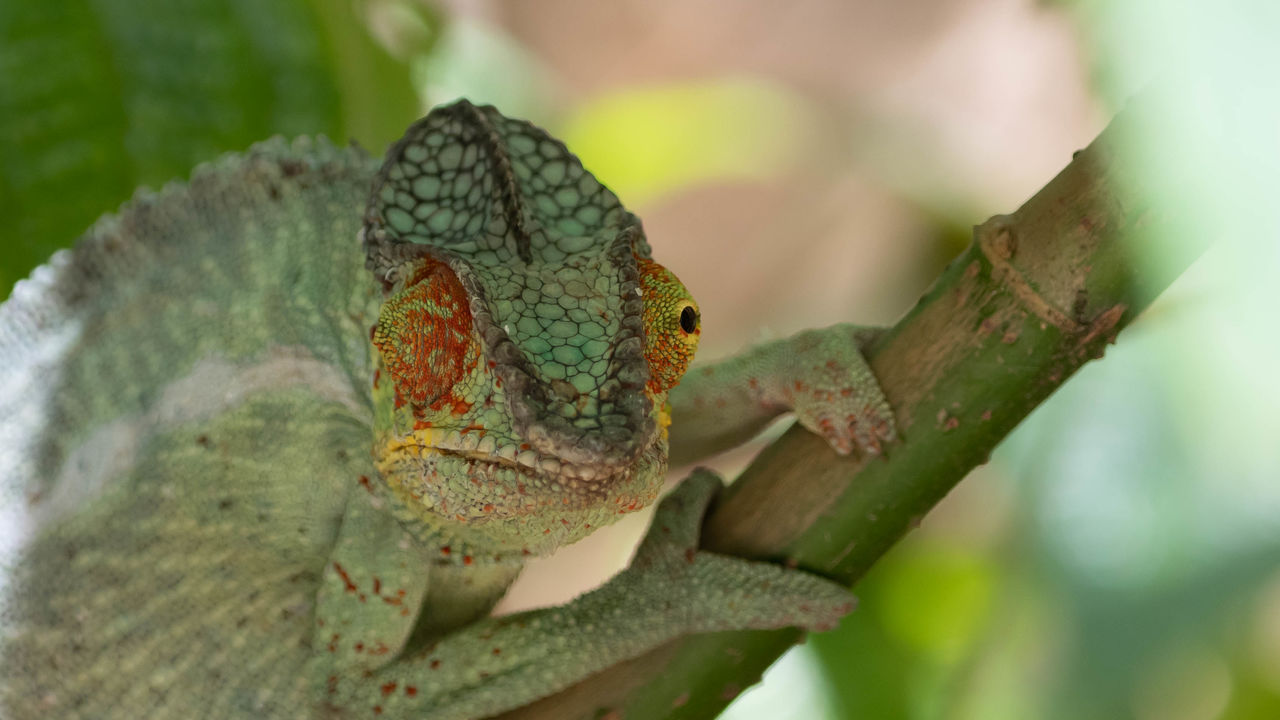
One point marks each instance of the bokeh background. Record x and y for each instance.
(798, 164)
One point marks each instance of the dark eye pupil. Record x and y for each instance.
(688, 319)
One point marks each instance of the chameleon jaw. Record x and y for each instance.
(483, 500)
(481, 449)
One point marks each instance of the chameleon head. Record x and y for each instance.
(526, 342)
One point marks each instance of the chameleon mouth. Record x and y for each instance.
(497, 503)
(478, 448)
(475, 451)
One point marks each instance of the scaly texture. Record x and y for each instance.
(557, 430)
(185, 408)
(820, 375)
(251, 480)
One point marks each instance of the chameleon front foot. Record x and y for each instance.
(833, 392)
(819, 375)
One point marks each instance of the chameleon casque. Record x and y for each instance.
(273, 444)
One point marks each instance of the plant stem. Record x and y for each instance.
(1036, 295)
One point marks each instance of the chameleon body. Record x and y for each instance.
(273, 445)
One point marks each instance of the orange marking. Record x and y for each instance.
(456, 406)
(389, 688)
(351, 587)
(424, 334)
(668, 350)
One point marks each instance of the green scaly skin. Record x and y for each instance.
(820, 375)
(221, 499)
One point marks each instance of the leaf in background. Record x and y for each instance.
(656, 140)
(99, 97)
(376, 95)
(920, 612)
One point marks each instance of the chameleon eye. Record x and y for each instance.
(689, 319)
(671, 325)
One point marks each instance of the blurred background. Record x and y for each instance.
(799, 164)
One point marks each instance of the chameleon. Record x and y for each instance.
(274, 441)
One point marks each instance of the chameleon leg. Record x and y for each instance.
(371, 590)
(670, 589)
(820, 375)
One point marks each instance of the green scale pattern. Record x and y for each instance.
(194, 524)
(547, 252)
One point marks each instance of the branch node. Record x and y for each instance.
(1103, 326)
(997, 240)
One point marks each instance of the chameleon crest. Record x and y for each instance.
(527, 339)
(242, 476)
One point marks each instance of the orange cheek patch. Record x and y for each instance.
(424, 335)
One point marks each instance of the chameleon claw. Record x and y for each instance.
(837, 396)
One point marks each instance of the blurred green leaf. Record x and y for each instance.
(655, 140)
(921, 610)
(102, 97)
(375, 92)
(937, 599)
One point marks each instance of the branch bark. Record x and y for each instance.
(1036, 295)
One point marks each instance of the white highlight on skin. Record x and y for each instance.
(213, 386)
(44, 334)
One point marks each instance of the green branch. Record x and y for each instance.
(1037, 294)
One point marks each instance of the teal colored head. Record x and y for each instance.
(527, 341)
